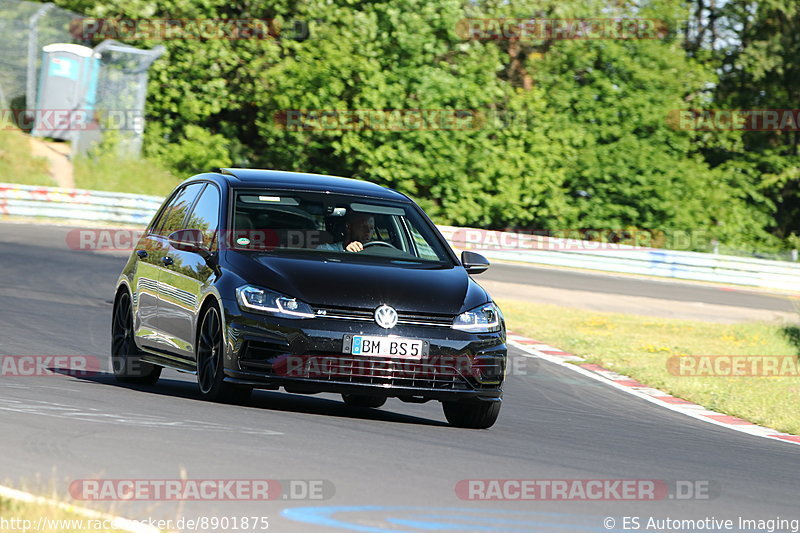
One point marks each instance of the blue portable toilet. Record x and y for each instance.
(67, 91)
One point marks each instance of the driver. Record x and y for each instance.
(358, 229)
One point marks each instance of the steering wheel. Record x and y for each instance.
(379, 243)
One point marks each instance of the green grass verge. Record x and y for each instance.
(26, 516)
(639, 347)
(111, 173)
(105, 172)
(18, 165)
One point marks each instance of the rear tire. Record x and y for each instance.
(125, 355)
(471, 414)
(363, 400)
(209, 352)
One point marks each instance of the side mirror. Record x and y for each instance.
(474, 263)
(189, 240)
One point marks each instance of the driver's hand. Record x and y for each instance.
(354, 246)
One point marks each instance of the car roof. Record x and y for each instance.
(302, 181)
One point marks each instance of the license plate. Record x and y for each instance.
(395, 347)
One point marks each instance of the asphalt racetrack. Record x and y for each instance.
(394, 469)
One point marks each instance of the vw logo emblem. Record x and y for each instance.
(386, 316)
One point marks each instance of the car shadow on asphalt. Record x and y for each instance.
(265, 400)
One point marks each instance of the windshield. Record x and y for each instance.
(347, 228)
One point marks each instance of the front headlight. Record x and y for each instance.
(483, 319)
(258, 299)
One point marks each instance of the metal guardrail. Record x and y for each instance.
(77, 204)
(33, 201)
(620, 258)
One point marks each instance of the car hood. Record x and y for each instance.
(321, 282)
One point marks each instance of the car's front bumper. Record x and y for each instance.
(307, 356)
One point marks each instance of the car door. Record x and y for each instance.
(186, 275)
(151, 264)
(149, 253)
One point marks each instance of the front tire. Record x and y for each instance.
(471, 414)
(209, 351)
(362, 400)
(125, 355)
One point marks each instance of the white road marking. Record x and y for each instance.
(90, 414)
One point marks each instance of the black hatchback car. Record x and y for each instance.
(267, 279)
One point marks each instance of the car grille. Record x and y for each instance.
(368, 315)
(375, 371)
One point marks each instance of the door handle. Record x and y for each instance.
(142, 254)
(167, 260)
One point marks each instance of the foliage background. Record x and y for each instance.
(595, 148)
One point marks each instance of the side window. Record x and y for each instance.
(172, 218)
(162, 216)
(205, 216)
(423, 248)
